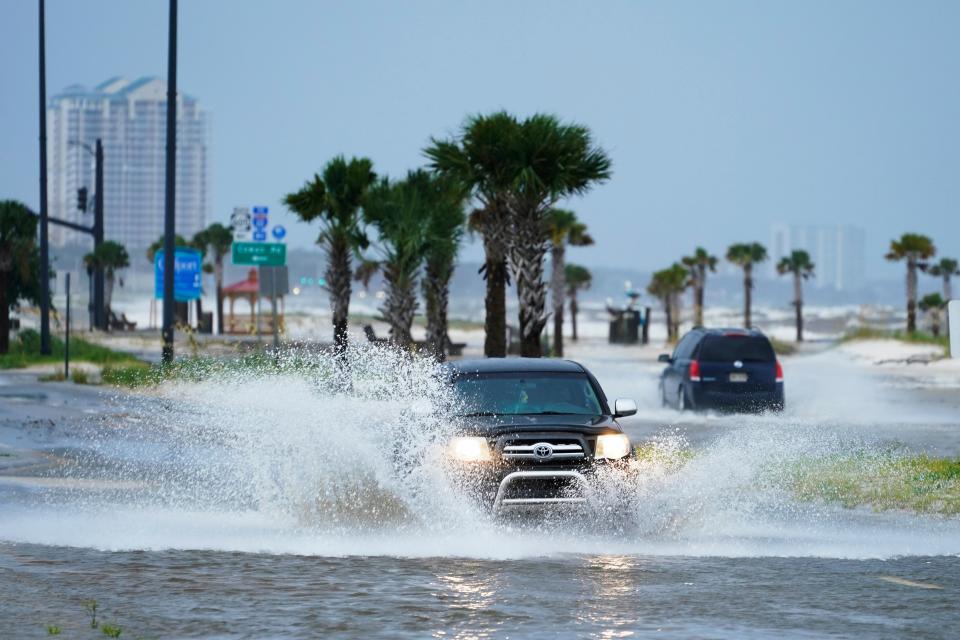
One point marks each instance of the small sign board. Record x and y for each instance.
(259, 253)
(278, 232)
(953, 326)
(187, 274)
(242, 224)
(274, 281)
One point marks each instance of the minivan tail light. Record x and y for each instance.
(779, 372)
(694, 371)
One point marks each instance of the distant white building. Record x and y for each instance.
(130, 118)
(837, 251)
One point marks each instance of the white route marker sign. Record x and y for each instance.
(241, 221)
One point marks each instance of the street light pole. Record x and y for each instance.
(169, 226)
(44, 248)
(97, 275)
(98, 289)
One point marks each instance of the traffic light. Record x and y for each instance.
(82, 199)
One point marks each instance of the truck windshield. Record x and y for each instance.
(732, 348)
(526, 393)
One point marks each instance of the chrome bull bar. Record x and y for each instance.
(500, 501)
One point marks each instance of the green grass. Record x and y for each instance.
(79, 376)
(25, 351)
(917, 483)
(915, 337)
(141, 375)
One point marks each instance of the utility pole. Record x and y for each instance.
(169, 227)
(101, 320)
(44, 248)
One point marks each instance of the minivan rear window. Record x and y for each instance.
(731, 348)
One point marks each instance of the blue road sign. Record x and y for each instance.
(261, 210)
(278, 232)
(187, 274)
(259, 235)
(260, 222)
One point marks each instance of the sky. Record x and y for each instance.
(721, 118)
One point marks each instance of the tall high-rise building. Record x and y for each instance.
(837, 251)
(130, 119)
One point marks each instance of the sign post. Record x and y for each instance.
(274, 282)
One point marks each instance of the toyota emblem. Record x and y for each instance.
(542, 451)
(738, 364)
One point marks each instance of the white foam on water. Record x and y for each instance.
(292, 462)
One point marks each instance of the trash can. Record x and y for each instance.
(625, 327)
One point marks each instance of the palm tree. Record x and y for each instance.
(932, 304)
(798, 263)
(219, 239)
(946, 268)
(552, 160)
(334, 200)
(564, 229)
(482, 161)
(399, 212)
(445, 226)
(746, 255)
(111, 257)
(698, 264)
(577, 278)
(19, 262)
(915, 249)
(667, 285)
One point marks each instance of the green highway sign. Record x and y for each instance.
(260, 253)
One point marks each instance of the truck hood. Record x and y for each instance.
(495, 425)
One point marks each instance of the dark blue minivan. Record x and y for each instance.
(725, 369)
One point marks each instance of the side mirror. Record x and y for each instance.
(623, 407)
(664, 357)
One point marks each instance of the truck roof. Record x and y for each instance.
(510, 365)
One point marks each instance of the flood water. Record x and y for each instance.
(257, 506)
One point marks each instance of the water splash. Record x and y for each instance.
(286, 457)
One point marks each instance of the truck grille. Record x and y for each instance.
(543, 449)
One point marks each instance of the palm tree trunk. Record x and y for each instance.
(4, 314)
(108, 293)
(495, 302)
(399, 306)
(558, 286)
(669, 318)
(218, 277)
(339, 286)
(436, 293)
(747, 295)
(526, 260)
(574, 308)
(698, 302)
(911, 295)
(798, 303)
(677, 314)
(947, 288)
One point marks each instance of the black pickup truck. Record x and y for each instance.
(532, 431)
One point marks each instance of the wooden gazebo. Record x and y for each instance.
(249, 290)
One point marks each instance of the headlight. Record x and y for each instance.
(613, 446)
(470, 449)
